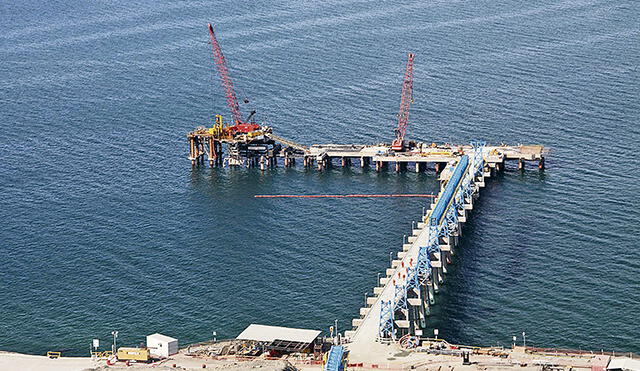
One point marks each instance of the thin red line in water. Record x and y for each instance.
(344, 196)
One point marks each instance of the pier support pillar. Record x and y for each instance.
(431, 291)
(191, 153)
(425, 304)
(308, 161)
(202, 152)
(443, 261)
(217, 152)
(197, 149)
(211, 152)
(541, 163)
(378, 166)
(364, 162)
(521, 164)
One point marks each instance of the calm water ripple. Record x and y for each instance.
(105, 225)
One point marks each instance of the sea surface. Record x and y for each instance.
(105, 226)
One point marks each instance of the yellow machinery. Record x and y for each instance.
(133, 354)
(436, 153)
(218, 130)
(255, 134)
(54, 355)
(102, 355)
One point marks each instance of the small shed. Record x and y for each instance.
(282, 339)
(161, 345)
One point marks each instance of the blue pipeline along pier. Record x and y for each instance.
(403, 300)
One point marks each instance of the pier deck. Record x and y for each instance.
(401, 303)
(268, 149)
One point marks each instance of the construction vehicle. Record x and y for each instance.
(54, 355)
(239, 126)
(133, 354)
(406, 99)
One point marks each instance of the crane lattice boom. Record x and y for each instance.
(232, 100)
(405, 104)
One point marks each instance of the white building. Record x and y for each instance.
(624, 364)
(161, 345)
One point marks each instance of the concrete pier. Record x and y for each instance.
(402, 302)
(208, 142)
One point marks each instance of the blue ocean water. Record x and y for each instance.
(104, 225)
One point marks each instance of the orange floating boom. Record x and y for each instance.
(343, 196)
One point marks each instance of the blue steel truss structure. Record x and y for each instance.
(478, 158)
(386, 320)
(443, 221)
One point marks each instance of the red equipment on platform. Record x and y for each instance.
(405, 104)
(232, 101)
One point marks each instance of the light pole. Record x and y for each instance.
(366, 295)
(524, 339)
(115, 336)
(435, 333)
(514, 341)
(215, 334)
(378, 283)
(391, 259)
(335, 326)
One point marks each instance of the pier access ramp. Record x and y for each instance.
(288, 142)
(423, 251)
(334, 360)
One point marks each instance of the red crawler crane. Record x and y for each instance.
(405, 103)
(239, 126)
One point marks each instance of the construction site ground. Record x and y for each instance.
(379, 356)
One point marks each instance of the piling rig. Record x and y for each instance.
(246, 140)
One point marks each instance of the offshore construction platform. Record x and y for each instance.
(402, 300)
(249, 144)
